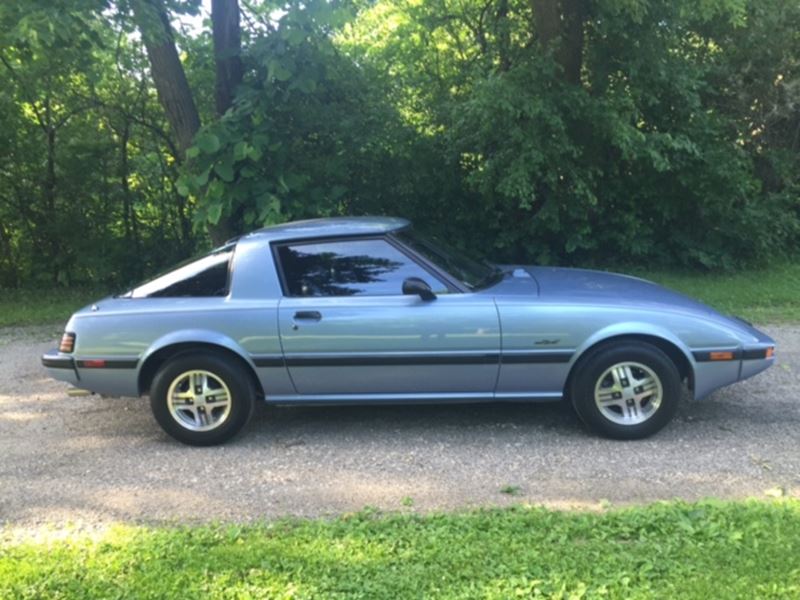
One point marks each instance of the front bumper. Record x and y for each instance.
(756, 359)
(721, 366)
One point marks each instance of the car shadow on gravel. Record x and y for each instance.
(371, 420)
(297, 425)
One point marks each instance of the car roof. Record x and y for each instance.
(331, 227)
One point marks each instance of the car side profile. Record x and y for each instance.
(365, 310)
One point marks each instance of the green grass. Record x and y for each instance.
(770, 295)
(511, 490)
(667, 550)
(43, 306)
(764, 296)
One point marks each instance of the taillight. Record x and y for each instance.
(67, 343)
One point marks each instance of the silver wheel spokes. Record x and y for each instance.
(199, 400)
(628, 393)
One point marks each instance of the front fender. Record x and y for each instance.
(706, 376)
(633, 328)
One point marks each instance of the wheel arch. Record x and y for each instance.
(674, 350)
(183, 343)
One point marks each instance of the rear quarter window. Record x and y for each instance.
(204, 277)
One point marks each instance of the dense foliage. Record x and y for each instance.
(596, 132)
(668, 550)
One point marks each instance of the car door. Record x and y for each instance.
(347, 330)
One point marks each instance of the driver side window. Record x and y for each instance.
(363, 267)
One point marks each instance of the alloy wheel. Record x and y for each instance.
(628, 393)
(198, 400)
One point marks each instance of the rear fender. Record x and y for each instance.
(193, 336)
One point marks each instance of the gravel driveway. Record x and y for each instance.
(93, 460)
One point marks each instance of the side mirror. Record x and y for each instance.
(418, 287)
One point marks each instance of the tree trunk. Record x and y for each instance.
(170, 79)
(559, 26)
(183, 219)
(9, 272)
(504, 35)
(227, 47)
(49, 191)
(570, 51)
(229, 72)
(168, 74)
(50, 172)
(130, 222)
(547, 18)
(123, 181)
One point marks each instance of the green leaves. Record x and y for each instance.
(182, 185)
(224, 169)
(207, 142)
(677, 147)
(643, 161)
(240, 150)
(310, 134)
(201, 178)
(214, 212)
(279, 70)
(268, 208)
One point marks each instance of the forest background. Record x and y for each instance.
(605, 133)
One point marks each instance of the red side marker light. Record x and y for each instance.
(94, 364)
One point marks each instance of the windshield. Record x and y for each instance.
(472, 272)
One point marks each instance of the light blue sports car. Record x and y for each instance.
(365, 310)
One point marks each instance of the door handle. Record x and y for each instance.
(307, 315)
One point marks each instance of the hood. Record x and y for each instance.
(556, 284)
(596, 287)
(622, 289)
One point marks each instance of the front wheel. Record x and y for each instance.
(626, 390)
(202, 399)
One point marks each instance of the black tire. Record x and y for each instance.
(228, 371)
(592, 367)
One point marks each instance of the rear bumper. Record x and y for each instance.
(116, 376)
(60, 367)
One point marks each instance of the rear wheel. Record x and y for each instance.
(626, 390)
(202, 399)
